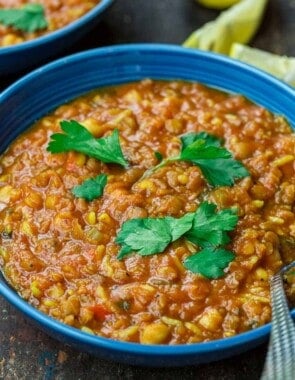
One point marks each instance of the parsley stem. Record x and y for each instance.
(163, 163)
(216, 163)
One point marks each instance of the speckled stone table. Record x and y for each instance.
(25, 352)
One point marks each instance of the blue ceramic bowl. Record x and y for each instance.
(44, 89)
(29, 54)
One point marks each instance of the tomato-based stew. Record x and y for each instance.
(151, 212)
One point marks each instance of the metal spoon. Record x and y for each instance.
(280, 359)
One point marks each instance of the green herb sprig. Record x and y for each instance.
(210, 227)
(204, 150)
(147, 236)
(79, 139)
(206, 228)
(209, 262)
(29, 18)
(91, 188)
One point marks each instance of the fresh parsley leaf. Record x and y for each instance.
(216, 163)
(29, 18)
(209, 263)
(222, 172)
(143, 237)
(190, 138)
(209, 228)
(147, 236)
(206, 228)
(91, 188)
(204, 150)
(79, 139)
(179, 226)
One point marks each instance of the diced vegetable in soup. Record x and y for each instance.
(24, 20)
(151, 212)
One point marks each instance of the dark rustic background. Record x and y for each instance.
(27, 353)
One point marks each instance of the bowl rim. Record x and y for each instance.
(59, 33)
(11, 295)
(138, 48)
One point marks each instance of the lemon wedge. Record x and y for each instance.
(280, 66)
(217, 4)
(237, 24)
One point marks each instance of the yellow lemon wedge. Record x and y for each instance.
(217, 4)
(280, 66)
(236, 24)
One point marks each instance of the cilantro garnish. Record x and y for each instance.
(78, 138)
(210, 231)
(147, 236)
(91, 188)
(216, 163)
(189, 138)
(29, 18)
(209, 263)
(209, 228)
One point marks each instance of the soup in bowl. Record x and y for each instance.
(147, 214)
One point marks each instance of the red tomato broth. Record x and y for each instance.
(59, 252)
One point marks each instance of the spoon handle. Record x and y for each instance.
(280, 359)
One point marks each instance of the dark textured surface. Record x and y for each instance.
(25, 352)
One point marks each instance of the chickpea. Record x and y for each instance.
(154, 333)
